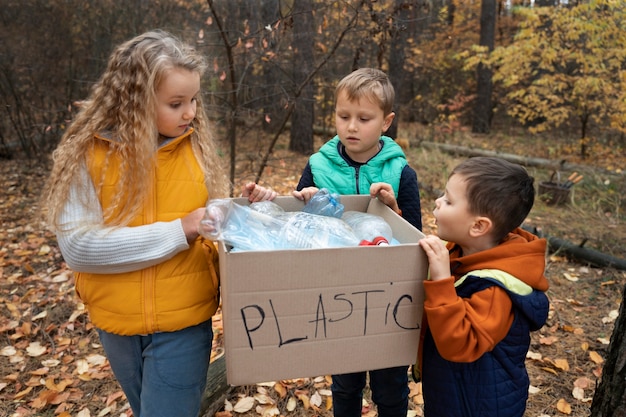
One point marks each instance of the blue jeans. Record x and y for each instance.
(162, 374)
(390, 392)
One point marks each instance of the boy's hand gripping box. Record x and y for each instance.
(309, 312)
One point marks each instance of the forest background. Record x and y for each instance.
(543, 79)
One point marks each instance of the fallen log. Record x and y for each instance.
(579, 252)
(217, 389)
(554, 165)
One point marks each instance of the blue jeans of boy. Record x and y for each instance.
(390, 392)
(162, 374)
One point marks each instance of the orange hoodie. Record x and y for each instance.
(464, 329)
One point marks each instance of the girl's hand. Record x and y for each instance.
(438, 257)
(190, 224)
(256, 193)
(305, 194)
(385, 194)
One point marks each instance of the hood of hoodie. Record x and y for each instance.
(520, 254)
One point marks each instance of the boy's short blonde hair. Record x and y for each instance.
(371, 83)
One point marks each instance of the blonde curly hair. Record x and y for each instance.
(123, 104)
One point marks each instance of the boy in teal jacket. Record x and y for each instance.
(359, 160)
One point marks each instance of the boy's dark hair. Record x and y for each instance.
(497, 189)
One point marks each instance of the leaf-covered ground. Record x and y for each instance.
(51, 362)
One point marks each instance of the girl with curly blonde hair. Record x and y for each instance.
(130, 182)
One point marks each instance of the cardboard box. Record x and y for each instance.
(309, 312)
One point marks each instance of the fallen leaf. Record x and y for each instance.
(595, 357)
(563, 406)
(105, 411)
(263, 398)
(8, 351)
(550, 370)
(562, 364)
(243, 405)
(44, 250)
(533, 390)
(302, 396)
(291, 404)
(82, 366)
(40, 371)
(114, 397)
(578, 393)
(316, 399)
(96, 359)
(280, 389)
(23, 393)
(35, 349)
(613, 315)
(415, 388)
(570, 277)
(41, 315)
(534, 355)
(267, 411)
(548, 340)
(84, 413)
(228, 406)
(583, 382)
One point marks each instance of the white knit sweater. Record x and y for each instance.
(88, 245)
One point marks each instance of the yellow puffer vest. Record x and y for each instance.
(178, 293)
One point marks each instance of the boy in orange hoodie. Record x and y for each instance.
(484, 295)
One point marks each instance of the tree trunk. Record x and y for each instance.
(301, 139)
(483, 110)
(609, 399)
(544, 3)
(217, 389)
(397, 73)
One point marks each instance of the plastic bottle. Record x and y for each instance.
(368, 227)
(324, 203)
(310, 231)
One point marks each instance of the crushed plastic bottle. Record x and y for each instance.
(324, 203)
